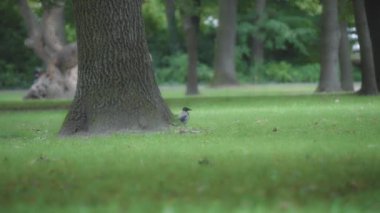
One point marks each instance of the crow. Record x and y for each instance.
(184, 116)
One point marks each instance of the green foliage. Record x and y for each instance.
(175, 70)
(156, 30)
(285, 72)
(293, 31)
(346, 11)
(17, 63)
(52, 3)
(190, 8)
(288, 33)
(154, 14)
(16, 76)
(243, 152)
(308, 73)
(6, 76)
(279, 72)
(281, 29)
(312, 7)
(69, 22)
(70, 32)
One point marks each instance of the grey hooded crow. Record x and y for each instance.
(184, 116)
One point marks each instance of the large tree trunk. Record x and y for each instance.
(191, 27)
(257, 47)
(345, 63)
(369, 86)
(172, 25)
(373, 18)
(47, 39)
(116, 86)
(329, 80)
(224, 60)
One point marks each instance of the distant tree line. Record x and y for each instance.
(219, 43)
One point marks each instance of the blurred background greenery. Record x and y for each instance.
(290, 33)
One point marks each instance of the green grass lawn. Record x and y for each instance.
(246, 149)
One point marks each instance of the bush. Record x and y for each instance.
(10, 77)
(175, 70)
(17, 62)
(278, 72)
(284, 72)
(307, 73)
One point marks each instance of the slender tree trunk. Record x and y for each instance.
(257, 47)
(224, 60)
(369, 86)
(345, 63)
(116, 86)
(172, 25)
(373, 18)
(329, 80)
(191, 25)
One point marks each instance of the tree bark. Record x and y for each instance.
(191, 28)
(34, 40)
(257, 47)
(345, 63)
(329, 81)
(172, 25)
(369, 86)
(116, 86)
(373, 18)
(224, 60)
(47, 39)
(54, 26)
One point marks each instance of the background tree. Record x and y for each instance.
(345, 62)
(257, 47)
(369, 86)
(329, 81)
(170, 9)
(372, 11)
(116, 86)
(46, 37)
(289, 32)
(191, 23)
(224, 59)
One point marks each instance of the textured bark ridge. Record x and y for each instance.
(116, 89)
